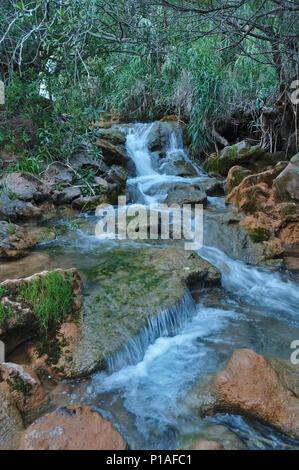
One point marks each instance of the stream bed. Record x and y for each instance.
(146, 396)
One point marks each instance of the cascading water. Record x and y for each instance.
(249, 312)
(145, 393)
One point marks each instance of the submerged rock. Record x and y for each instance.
(254, 386)
(73, 427)
(15, 242)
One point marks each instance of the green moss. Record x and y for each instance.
(17, 384)
(50, 298)
(259, 235)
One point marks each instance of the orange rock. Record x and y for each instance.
(206, 445)
(23, 385)
(72, 428)
(250, 385)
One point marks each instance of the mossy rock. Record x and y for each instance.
(259, 234)
(132, 285)
(239, 154)
(34, 307)
(235, 176)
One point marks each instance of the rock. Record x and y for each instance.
(113, 154)
(286, 185)
(117, 175)
(15, 242)
(220, 435)
(131, 285)
(264, 389)
(24, 188)
(81, 161)
(214, 188)
(206, 445)
(72, 428)
(158, 134)
(23, 385)
(101, 183)
(66, 195)
(11, 422)
(266, 221)
(58, 175)
(12, 209)
(115, 136)
(90, 202)
(177, 165)
(242, 154)
(227, 233)
(25, 317)
(235, 176)
(186, 196)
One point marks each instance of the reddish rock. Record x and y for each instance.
(235, 176)
(267, 221)
(72, 428)
(264, 389)
(23, 385)
(206, 445)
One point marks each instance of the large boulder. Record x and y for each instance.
(254, 386)
(11, 422)
(286, 185)
(132, 287)
(15, 242)
(23, 385)
(72, 428)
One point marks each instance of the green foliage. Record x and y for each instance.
(50, 297)
(33, 165)
(259, 235)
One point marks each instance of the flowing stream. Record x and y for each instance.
(147, 391)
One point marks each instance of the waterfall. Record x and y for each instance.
(167, 323)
